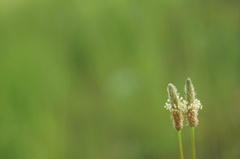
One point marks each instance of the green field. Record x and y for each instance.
(88, 79)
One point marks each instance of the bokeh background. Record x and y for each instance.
(87, 79)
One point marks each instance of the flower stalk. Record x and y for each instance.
(193, 144)
(174, 104)
(191, 111)
(180, 144)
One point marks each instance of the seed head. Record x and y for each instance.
(192, 105)
(174, 104)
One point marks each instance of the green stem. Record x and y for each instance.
(180, 144)
(193, 145)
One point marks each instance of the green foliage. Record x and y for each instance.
(87, 79)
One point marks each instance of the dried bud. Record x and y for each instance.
(174, 104)
(192, 104)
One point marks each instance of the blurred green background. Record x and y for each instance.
(87, 79)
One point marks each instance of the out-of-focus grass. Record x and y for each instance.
(87, 79)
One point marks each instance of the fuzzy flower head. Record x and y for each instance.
(174, 104)
(192, 105)
(190, 95)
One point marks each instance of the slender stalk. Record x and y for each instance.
(193, 144)
(180, 144)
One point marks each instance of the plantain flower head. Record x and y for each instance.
(192, 104)
(175, 105)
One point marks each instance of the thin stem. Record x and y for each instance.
(180, 144)
(193, 144)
